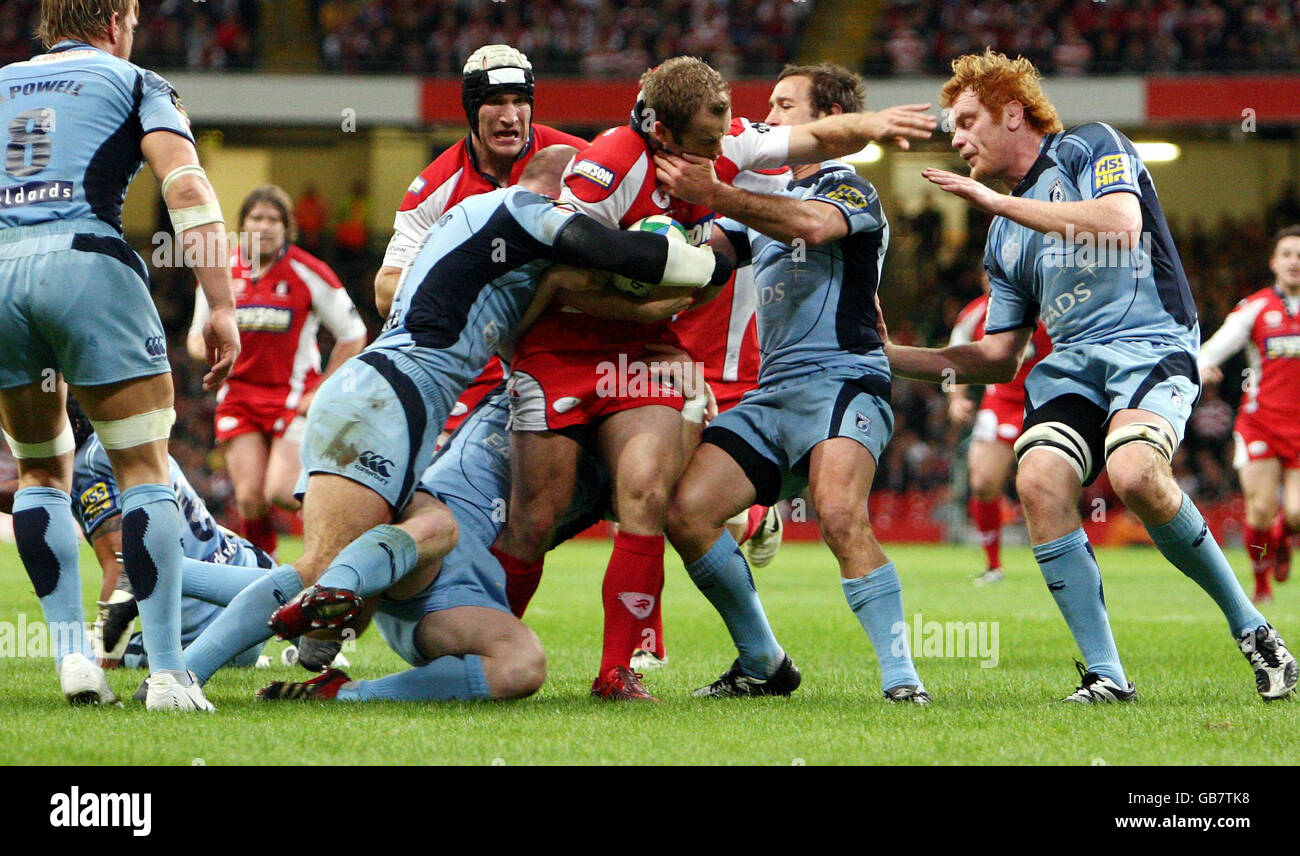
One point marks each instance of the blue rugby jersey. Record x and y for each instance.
(71, 122)
(1092, 292)
(816, 304)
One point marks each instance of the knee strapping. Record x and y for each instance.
(1142, 432)
(62, 443)
(136, 430)
(1061, 439)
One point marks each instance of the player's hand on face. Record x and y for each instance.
(221, 336)
(1211, 375)
(901, 123)
(964, 186)
(688, 177)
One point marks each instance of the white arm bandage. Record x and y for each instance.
(196, 215)
(691, 267)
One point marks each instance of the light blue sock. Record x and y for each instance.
(443, 679)
(1188, 544)
(1072, 576)
(373, 562)
(242, 624)
(152, 556)
(47, 542)
(722, 575)
(215, 583)
(877, 601)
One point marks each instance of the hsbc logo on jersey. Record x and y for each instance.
(1276, 347)
(594, 172)
(264, 319)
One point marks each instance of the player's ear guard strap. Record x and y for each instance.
(136, 430)
(60, 445)
(1061, 439)
(1143, 432)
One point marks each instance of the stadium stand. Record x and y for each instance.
(1078, 37)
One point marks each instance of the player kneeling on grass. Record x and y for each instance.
(1083, 242)
(820, 416)
(450, 619)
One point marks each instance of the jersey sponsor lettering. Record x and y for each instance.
(1111, 169)
(593, 171)
(263, 319)
(1276, 347)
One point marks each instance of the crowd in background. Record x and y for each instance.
(604, 38)
(594, 38)
(1077, 37)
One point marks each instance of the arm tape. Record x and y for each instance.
(198, 215)
(183, 169)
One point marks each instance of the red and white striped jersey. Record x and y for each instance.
(614, 181)
(1270, 324)
(970, 328)
(279, 315)
(454, 175)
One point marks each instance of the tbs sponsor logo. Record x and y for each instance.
(265, 319)
(130, 811)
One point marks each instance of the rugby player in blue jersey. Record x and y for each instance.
(450, 618)
(1082, 241)
(75, 310)
(478, 279)
(820, 416)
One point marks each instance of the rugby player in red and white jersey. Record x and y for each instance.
(998, 422)
(497, 91)
(1267, 431)
(560, 390)
(281, 299)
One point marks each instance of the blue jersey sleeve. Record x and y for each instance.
(738, 234)
(1010, 308)
(94, 490)
(540, 217)
(854, 196)
(1100, 159)
(161, 108)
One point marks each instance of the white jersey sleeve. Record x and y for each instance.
(1232, 336)
(756, 145)
(963, 332)
(202, 313)
(330, 303)
(409, 226)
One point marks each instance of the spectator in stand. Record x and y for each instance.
(312, 213)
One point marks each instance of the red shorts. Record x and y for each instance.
(487, 381)
(551, 391)
(1258, 437)
(999, 419)
(245, 414)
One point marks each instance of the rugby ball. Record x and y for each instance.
(660, 224)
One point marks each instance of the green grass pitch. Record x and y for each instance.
(1197, 703)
